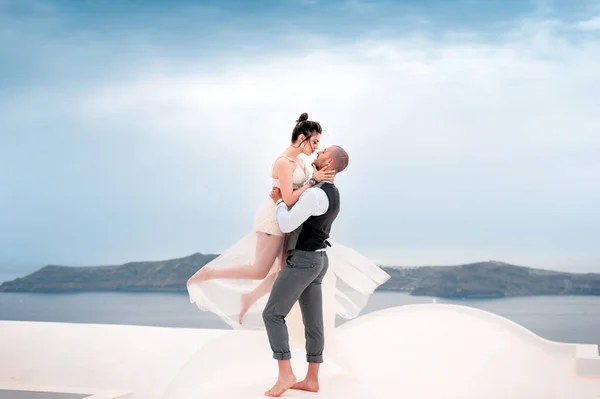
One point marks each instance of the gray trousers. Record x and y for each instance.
(299, 281)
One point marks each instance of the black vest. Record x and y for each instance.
(315, 230)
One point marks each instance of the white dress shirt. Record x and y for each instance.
(312, 202)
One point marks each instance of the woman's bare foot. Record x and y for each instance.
(283, 384)
(246, 303)
(307, 385)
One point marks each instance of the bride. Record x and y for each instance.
(234, 285)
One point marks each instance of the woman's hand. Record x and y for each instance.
(275, 194)
(324, 174)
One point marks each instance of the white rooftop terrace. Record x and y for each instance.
(415, 351)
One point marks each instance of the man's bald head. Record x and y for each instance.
(340, 158)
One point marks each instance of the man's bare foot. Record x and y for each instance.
(246, 303)
(283, 384)
(307, 385)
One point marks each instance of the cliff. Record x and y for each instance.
(168, 275)
(477, 280)
(489, 280)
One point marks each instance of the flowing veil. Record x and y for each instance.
(351, 280)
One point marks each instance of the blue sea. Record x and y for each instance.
(574, 319)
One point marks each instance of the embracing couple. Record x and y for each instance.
(288, 252)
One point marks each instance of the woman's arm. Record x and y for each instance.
(284, 168)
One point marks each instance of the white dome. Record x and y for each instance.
(447, 351)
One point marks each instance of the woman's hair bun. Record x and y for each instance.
(305, 127)
(303, 117)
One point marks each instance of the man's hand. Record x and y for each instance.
(275, 194)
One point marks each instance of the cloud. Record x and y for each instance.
(458, 149)
(590, 24)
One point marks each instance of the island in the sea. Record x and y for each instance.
(476, 280)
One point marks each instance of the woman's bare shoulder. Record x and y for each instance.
(283, 164)
(284, 161)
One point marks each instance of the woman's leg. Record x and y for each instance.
(264, 287)
(268, 248)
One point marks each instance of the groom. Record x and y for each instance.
(301, 279)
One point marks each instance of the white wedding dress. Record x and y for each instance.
(347, 286)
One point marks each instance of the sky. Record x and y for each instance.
(145, 130)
